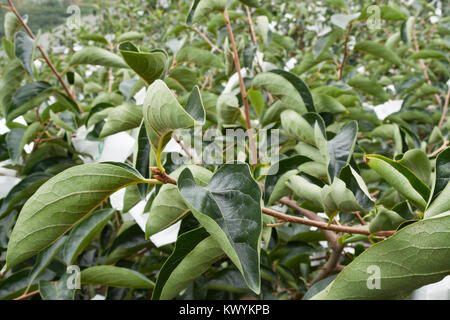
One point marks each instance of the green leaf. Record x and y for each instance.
(378, 50)
(12, 76)
(199, 56)
(150, 66)
(97, 56)
(84, 232)
(300, 86)
(57, 290)
(442, 172)
(385, 220)
(96, 37)
(62, 202)
(24, 50)
(417, 161)
(341, 148)
(228, 109)
(401, 178)
(356, 184)
(163, 114)
(275, 173)
(229, 208)
(16, 284)
(426, 241)
(111, 276)
(205, 7)
(251, 3)
(306, 190)
(337, 198)
(296, 127)
(168, 206)
(125, 117)
(130, 36)
(325, 103)
(21, 192)
(65, 120)
(27, 97)
(142, 160)
(11, 25)
(428, 54)
(281, 89)
(195, 251)
(13, 140)
(44, 258)
(368, 86)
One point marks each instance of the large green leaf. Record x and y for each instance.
(168, 206)
(306, 190)
(62, 202)
(417, 161)
(369, 86)
(148, 65)
(228, 108)
(229, 208)
(341, 148)
(385, 220)
(399, 275)
(194, 253)
(442, 172)
(111, 276)
(97, 56)
(84, 233)
(11, 25)
(401, 178)
(163, 114)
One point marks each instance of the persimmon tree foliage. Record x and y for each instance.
(356, 206)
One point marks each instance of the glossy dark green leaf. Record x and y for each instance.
(194, 253)
(84, 232)
(229, 209)
(341, 148)
(57, 290)
(13, 140)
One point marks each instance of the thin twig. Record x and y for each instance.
(183, 146)
(341, 66)
(253, 153)
(330, 266)
(205, 37)
(444, 110)
(25, 296)
(442, 148)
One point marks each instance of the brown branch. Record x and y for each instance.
(44, 55)
(25, 296)
(442, 148)
(183, 146)
(205, 37)
(341, 66)
(330, 266)
(444, 110)
(323, 225)
(237, 64)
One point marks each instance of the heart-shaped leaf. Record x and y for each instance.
(163, 114)
(229, 208)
